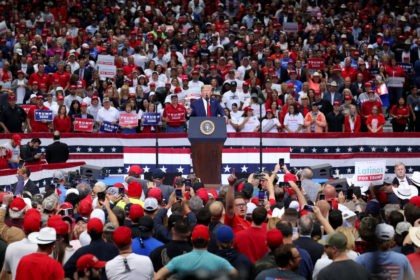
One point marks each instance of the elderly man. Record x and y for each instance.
(205, 106)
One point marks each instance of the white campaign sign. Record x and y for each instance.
(369, 172)
(3, 27)
(106, 60)
(106, 71)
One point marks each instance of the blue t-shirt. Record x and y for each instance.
(198, 260)
(145, 246)
(386, 265)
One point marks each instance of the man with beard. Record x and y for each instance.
(89, 267)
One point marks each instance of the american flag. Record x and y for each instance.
(117, 152)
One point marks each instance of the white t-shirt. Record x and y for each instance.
(15, 151)
(293, 121)
(250, 125)
(14, 253)
(141, 268)
(270, 125)
(229, 98)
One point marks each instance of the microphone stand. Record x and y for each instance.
(156, 137)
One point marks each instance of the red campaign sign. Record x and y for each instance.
(369, 178)
(85, 125)
(127, 120)
(27, 107)
(316, 63)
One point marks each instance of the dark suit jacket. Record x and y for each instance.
(57, 152)
(29, 186)
(89, 116)
(314, 249)
(198, 109)
(87, 74)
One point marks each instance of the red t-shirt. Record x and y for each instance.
(252, 243)
(176, 116)
(237, 223)
(63, 78)
(37, 126)
(401, 111)
(38, 266)
(375, 122)
(414, 259)
(40, 78)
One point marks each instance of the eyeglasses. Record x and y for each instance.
(240, 205)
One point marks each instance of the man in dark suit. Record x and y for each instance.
(199, 108)
(24, 184)
(305, 241)
(57, 151)
(85, 72)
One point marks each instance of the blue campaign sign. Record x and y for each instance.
(151, 118)
(408, 67)
(108, 127)
(44, 116)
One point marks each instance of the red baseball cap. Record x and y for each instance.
(89, 261)
(85, 207)
(17, 204)
(122, 236)
(95, 224)
(202, 193)
(134, 189)
(274, 238)
(136, 212)
(155, 193)
(136, 169)
(31, 222)
(200, 232)
(60, 97)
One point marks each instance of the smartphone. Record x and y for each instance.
(261, 195)
(308, 208)
(281, 162)
(321, 197)
(178, 194)
(349, 193)
(101, 196)
(187, 182)
(121, 191)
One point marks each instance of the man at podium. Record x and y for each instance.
(206, 106)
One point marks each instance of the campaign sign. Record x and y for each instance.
(290, 27)
(107, 71)
(27, 107)
(105, 60)
(397, 82)
(127, 120)
(316, 63)
(44, 115)
(108, 127)
(84, 125)
(151, 118)
(369, 172)
(408, 67)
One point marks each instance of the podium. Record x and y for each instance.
(207, 136)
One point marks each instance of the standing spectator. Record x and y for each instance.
(62, 122)
(352, 121)
(400, 114)
(89, 267)
(250, 241)
(375, 121)
(57, 152)
(34, 125)
(310, 187)
(335, 119)
(305, 241)
(270, 123)
(127, 264)
(13, 117)
(174, 115)
(293, 121)
(287, 259)
(108, 113)
(315, 120)
(394, 71)
(414, 258)
(248, 122)
(413, 100)
(144, 243)
(40, 265)
(199, 259)
(13, 145)
(384, 261)
(335, 248)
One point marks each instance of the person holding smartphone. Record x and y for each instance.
(30, 151)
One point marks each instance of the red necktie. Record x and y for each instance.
(208, 109)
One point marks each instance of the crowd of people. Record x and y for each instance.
(293, 66)
(259, 227)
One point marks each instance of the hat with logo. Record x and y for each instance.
(150, 204)
(89, 261)
(384, 232)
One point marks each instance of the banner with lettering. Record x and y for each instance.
(316, 63)
(107, 71)
(369, 172)
(83, 125)
(151, 118)
(290, 27)
(44, 115)
(27, 107)
(128, 120)
(108, 127)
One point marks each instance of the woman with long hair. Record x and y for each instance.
(74, 109)
(352, 120)
(293, 120)
(62, 122)
(248, 122)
